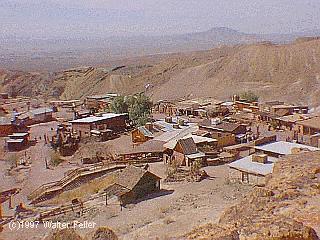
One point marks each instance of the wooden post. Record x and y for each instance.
(11, 202)
(106, 199)
(0, 210)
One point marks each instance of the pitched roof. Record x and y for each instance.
(188, 146)
(197, 139)
(151, 146)
(145, 132)
(225, 126)
(131, 175)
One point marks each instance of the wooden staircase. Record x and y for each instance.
(73, 180)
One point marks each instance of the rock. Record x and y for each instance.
(64, 234)
(104, 233)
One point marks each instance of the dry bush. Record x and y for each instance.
(55, 158)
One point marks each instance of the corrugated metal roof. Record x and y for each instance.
(177, 133)
(283, 148)
(93, 119)
(19, 134)
(145, 132)
(247, 165)
(188, 146)
(41, 111)
(15, 140)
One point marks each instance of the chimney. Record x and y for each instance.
(260, 158)
(149, 126)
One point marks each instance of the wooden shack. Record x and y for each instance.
(6, 126)
(18, 141)
(133, 183)
(141, 134)
(183, 151)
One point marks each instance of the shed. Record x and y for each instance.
(252, 169)
(134, 183)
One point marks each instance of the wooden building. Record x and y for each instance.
(112, 121)
(309, 126)
(283, 110)
(282, 148)
(147, 152)
(289, 122)
(6, 126)
(183, 152)
(226, 133)
(252, 169)
(133, 183)
(99, 102)
(141, 134)
(165, 107)
(18, 141)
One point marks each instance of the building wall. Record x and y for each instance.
(242, 177)
(308, 130)
(6, 130)
(138, 137)
(179, 158)
(224, 140)
(115, 124)
(43, 117)
(82, 129)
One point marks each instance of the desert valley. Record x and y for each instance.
(209, 135)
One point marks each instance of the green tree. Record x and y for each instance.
(138, 106)
(249, 96)
(119, 105)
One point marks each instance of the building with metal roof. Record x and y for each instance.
(282, 148)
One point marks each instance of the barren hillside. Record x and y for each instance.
(287, 208)
(287, 72)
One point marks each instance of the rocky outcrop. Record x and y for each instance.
(104, 233)
(64, 234)
(287, 208)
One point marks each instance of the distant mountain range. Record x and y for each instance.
(288, 72)
(57, 54)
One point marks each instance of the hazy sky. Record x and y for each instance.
(74, 18)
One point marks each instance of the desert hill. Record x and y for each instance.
(289, 72)
(286, 208)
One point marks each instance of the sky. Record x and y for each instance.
(103, 18)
